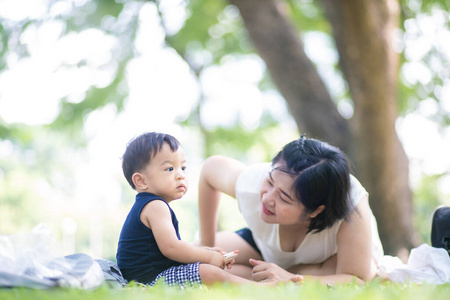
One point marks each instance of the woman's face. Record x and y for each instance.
(279, 205)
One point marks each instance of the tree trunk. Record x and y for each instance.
(363, 31)
(295, 76)
(364, 35)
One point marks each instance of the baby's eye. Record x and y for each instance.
(170, 169)
(183, 168)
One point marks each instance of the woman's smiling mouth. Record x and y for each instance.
(266, 211)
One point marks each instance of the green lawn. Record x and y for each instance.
(370, 291)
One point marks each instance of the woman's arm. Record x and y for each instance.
(326, 268)
(218, 175)
(353, 261)
(354, 242)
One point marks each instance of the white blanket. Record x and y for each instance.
(425, 264)
(33, 260)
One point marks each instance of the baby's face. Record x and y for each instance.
(166, 174)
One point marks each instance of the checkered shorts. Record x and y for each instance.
(182, 276)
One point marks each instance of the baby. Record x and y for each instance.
(150, 247)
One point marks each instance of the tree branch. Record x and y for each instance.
(296, 77)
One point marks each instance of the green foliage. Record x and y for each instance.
(3, 45)
(238, 142)
(428, 5)
(72, 115)
(307, 15)
(91, 14)
(435, 60)
(407, 97)
(202, 15)
(30, 150)
(426, 199)
(19, 207)
(246, 145)
(16, 133)
(33, 162)
(212, 27)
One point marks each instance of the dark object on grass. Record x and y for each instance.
(440, 228)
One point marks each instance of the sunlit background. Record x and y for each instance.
(79, 191)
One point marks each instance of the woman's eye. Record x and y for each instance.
(284, 200)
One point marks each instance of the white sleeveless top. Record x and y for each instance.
(315, 248)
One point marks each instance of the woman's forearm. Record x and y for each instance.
(208, 207)
(324, 272)
(218, 175)
(328, 267)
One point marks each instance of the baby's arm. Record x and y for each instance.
(156, 215)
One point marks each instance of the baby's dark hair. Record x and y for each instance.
(323, 178)
(141, 149)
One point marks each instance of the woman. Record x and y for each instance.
(305, 213)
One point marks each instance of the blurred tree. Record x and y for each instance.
(367, 39)
(426, 199)
(364, 33)
(367, 36)
(29, 165)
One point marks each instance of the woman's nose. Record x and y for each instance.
(269, 197)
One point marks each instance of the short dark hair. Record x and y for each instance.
(141, 149)
(323, 178)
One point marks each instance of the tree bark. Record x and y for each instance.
(294, 74)
(363, 32)
(364, 35)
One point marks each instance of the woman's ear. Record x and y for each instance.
(317, 211)
(139, 181)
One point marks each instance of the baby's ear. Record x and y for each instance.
(139, 181)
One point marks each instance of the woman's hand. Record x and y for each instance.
(263, 271)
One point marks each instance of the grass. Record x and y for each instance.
(371, 291)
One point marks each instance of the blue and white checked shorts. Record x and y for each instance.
(183, 276)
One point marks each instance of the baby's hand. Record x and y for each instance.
(217, 259)
(230, 256)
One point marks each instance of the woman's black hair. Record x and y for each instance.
(140, 150)
(323, 178)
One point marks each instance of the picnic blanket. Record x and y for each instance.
(425, 264)
(33, 260)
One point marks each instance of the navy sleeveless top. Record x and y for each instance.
(138, 255)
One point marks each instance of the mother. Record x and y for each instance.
(305, 214)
